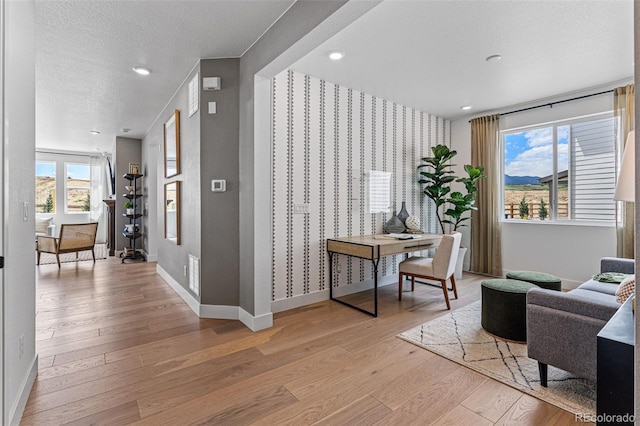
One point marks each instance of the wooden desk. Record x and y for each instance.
(373, 248)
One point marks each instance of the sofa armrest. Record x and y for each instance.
(562, 329)
(617, 264)
(572, 303)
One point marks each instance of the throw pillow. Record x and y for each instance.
(42, 225)
(626, 289)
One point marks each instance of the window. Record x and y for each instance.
(77, 187)
(45, 187)
(561, 171)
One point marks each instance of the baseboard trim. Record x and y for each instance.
(254, 323)
(150, 257)
(321, 295)
(15, 415)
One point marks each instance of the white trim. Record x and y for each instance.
(175, 285)
(15, 414)
(256, 323)
(322, 295)
(151, 257)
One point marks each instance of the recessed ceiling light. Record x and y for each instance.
(142, 70)
(125, 130)
(94, 132)
(466, 107)
(335, 55)
(493, 58)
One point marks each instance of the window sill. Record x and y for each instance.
(537, 222)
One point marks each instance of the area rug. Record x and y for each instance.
(459, 337)
(99, 249)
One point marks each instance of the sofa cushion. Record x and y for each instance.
(626, 289)
(606, 288)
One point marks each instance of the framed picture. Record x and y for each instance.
(172, 145)
(134, 168)
(172, 212)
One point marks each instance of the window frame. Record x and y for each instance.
(66, 186)
(555, 124)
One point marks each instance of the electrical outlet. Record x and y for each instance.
(21, 349)
(184, 271)
(301, 208)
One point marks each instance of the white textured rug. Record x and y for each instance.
(459, 337)
(100, 250)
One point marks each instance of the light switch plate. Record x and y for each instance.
(218, 185)
(212, 108)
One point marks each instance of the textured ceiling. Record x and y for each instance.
(424, 54)
(85, 51)
(431, 54)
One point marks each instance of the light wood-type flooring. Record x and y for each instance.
(118, 346)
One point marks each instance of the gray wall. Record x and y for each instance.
(219, 267)
(171, 257)
(18, 136)
(127, 151)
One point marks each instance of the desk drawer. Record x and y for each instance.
(405, 247)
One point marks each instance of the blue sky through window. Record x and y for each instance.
(78, 171)
(45, 169)
(530, 153)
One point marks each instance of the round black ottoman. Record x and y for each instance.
(504, 308)
(548, 281)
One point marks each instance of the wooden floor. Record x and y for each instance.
(118, 346)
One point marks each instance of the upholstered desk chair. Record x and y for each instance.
(439, 268)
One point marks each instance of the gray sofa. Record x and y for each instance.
(562, 326)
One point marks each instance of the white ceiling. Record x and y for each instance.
(425, 54)
(431, 55)
(85, 51)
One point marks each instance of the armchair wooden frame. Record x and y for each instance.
(73, 239)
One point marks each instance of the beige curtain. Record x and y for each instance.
(486, 240)
(623, 107)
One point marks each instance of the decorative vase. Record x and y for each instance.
(394, 225)
(404, 214)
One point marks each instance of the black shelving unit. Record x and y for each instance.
(130, 251)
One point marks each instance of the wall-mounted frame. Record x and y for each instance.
(172, 212)
(172, 145)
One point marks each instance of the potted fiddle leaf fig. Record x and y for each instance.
(437, 181)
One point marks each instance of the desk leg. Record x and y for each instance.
(375, 288)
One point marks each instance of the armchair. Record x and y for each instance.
(73, 238)
(562, 328)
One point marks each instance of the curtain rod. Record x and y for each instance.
(77, 154)
(551, 104)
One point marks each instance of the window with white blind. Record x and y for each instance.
(561, 171)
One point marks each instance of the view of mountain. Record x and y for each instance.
(521, 180)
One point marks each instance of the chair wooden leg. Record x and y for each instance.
(38, 258)
(413, 283)
(400, 286)
(93, 253)
(58, 259)
(76, 255)
(446, 295)
(453, 286)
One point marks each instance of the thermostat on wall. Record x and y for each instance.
(218, 185)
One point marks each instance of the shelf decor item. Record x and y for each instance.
(394, 225)
(404, 214)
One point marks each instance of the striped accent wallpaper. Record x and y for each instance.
(325, 138)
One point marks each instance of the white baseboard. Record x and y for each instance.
(151, 257)
(254, 323)
(318, 296)
(15, 414)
